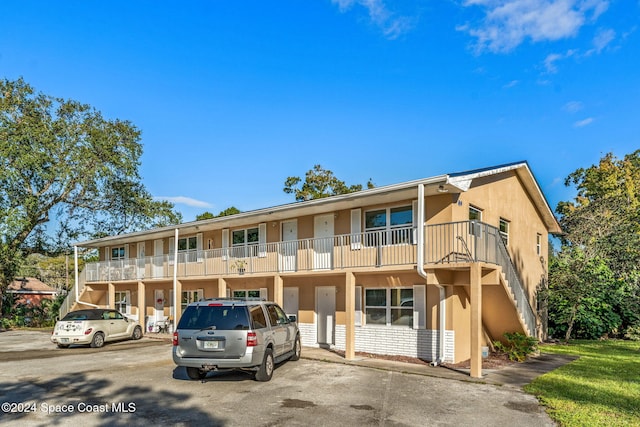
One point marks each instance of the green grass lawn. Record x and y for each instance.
(601, 388)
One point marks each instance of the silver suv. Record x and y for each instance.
(231, 333)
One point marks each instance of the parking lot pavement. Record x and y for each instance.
(136, 383)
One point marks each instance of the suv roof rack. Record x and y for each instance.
(233, 299)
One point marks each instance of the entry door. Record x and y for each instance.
(323, 242)
(141, 260)
(326, 313)
(158, 308)
(289, 249)
(157, 258)
(290, 301)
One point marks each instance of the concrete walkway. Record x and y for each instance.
(515, 375)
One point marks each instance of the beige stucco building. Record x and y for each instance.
(434, 268)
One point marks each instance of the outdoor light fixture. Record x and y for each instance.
(441, 189)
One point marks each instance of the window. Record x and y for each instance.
(123, 301)
(389, 226)
(190, 296)
(504, 231)
(189, 247)
(475, 214)
(538, 244)
(257, 317)
(390, 307)
(117, 253)
(243, 293)
(245, 242)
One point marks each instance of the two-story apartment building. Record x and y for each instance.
(434, 268)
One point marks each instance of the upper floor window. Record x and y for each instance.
(538, 244)
(475, 214)
(504, 231)
(117, 253)
(187, 244)
(390, 225)
(245, 242)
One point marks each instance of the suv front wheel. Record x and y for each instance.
(265, 372)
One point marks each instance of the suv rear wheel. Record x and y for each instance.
(265, 372)
(195, 373)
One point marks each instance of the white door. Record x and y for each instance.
(289, 246)
(290, 301)
(322, 242)
(141, 260)
(158, 308)
(157, 257)
(326, 313)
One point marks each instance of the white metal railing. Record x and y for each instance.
(457, 242)
(473, 241)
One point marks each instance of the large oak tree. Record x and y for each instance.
(61, 161)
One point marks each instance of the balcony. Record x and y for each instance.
(465, 241)
(445, 244)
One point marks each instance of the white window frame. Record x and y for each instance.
(504, 233)
(192, 295)
(119, 300)
(121, 253)
(245, 248)
(244, 293)
(538, 244)
(388, 307)
(389, 237)
(475, 229)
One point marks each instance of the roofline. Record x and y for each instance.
(459, 180)
(274, 209)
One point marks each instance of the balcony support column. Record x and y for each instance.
(350, 316)
(111, 298)
(222, 288)
(475, 298)
(278, 290)
(177, 304)
(142, 309)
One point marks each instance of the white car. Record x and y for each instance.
(94, 327)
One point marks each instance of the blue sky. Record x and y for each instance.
(232, 97)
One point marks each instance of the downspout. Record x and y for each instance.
(420, 269)
(75, 277)
(175, 276)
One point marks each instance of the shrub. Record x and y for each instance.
(517, 346)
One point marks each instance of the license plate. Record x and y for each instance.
(64, 339)
(211, 344)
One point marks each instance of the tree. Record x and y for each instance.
(60, 158)
(208, 215)
(601, 249)
(319, 183)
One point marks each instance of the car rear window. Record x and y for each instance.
(215, 317)
(83, 315)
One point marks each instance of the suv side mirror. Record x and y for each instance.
(293, 318)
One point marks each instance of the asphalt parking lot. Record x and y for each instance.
(136, 383)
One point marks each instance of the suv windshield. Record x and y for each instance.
(215, 317)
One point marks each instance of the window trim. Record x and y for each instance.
(388, 307)
(388, 230)
(504, 234)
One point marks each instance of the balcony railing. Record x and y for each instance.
(457, 242)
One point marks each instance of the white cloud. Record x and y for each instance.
(182, 200)
(392, 26)
(573, 106)
(508, 23)
(583, 123)
(551, 59)
(511, 84)
(602, 39)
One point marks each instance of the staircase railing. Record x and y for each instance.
(473, 241)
